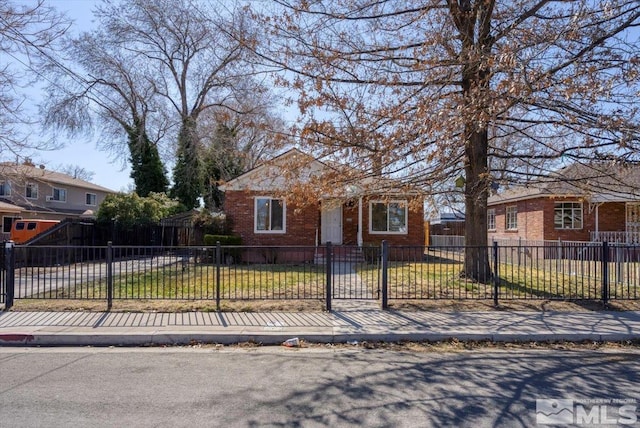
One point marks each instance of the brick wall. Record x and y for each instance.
(536, 220)
(530, 220)
(301, 222)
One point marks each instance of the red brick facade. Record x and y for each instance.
(303, 224)
(536, 220)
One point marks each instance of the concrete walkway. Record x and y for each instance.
(346, 323)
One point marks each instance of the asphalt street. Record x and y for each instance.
(320, 386)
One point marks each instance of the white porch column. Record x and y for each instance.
(360, 221)
(597, 237)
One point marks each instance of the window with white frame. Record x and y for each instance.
(491, 219)
(7, 222)
(91, 199)
(59, 194)
(31, 191)
(511, 218)
(270, 215)
(388, 217)
(567, 215)
(5, 188)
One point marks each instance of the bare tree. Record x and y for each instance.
(111, 91)
(430, 90)
(152, 68)
(27, 33)
(235, 142)
(75, 171)
(198, 66)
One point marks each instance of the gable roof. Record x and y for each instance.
(296, 166)
(595, 182)
(32, 172)
(269, 174)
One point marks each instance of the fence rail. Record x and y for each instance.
(592, 271)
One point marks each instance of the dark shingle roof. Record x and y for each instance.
(597, 182)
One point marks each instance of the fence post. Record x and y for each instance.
(496, 275)
(605, 273)
(10, 270)
(329, 276)
(218, 257)
(109, 275)
(385, 274)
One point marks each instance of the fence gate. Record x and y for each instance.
(355, 273)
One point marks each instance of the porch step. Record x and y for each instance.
(353, 255)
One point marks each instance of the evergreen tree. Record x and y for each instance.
(147, 171)
(187, 172)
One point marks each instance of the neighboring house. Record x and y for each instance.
(28, 191)
(262, 213)
(596, 202)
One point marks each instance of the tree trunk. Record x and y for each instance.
(476, 257)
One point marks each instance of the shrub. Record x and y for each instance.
(228, 255)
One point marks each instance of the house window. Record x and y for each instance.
(491, 219)
(567, 215)
(388, 217)
(270, 215)
(31, 191)
(511, 218)
(90, 199)
(5, 188)
(7, 222)
(59, 195)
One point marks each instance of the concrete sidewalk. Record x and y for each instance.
(343, 325)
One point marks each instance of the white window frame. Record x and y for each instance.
(255, 216)
(34, 188)
(5, 185)
(95, 199)
(491, 219)
(511, 217)
(570, 208)
(387, 232)
(4, 217)
(53, 194)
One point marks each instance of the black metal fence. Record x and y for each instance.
(326, 273)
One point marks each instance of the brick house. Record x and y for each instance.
(597, 202)
(262, 211)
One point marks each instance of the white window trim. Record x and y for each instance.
(491, 213)
(255, 216)
(572, 219)
(406, 217)
(8, 184)
(95, 197)
(506, 217)
(34, 186)
(60, 201)
(12, 217)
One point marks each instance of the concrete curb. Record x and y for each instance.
(133, 339)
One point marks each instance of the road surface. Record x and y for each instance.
(320, 386)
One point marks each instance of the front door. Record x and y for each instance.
(331, 230)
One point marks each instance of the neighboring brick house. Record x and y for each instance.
(596, 202)
(33, 192)
(262, 214)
